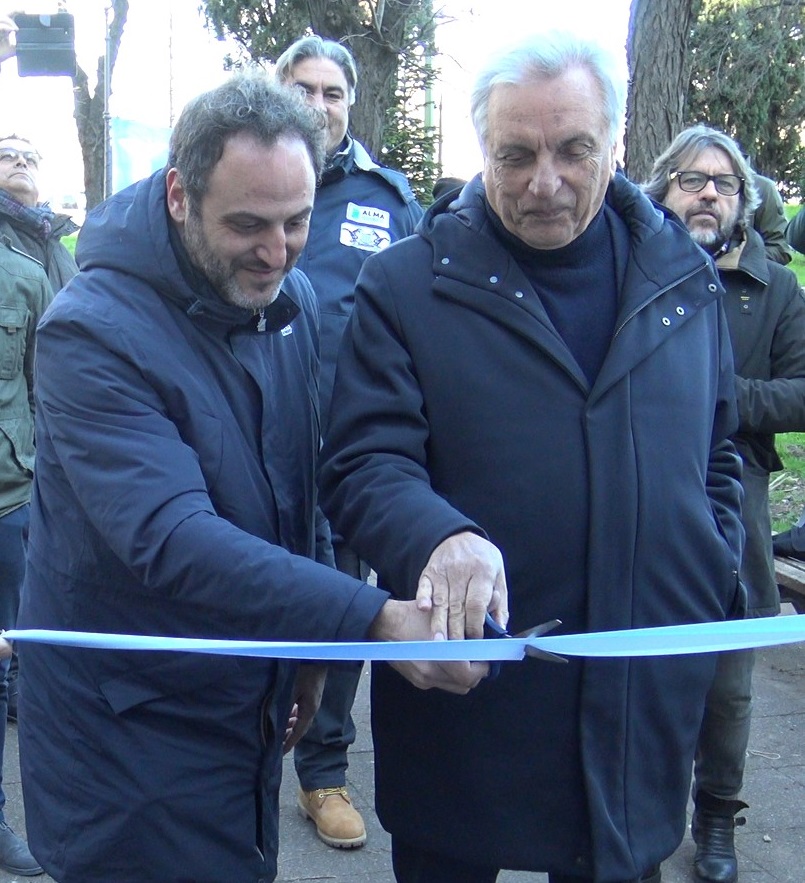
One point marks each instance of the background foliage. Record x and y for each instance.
(393, 43)
(748, 79)
(735, 64)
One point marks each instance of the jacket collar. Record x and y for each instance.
(748, 256)
(131, 232)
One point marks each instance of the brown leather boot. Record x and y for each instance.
(337, 821)
(713, 829)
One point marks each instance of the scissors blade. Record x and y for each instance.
(535, 632)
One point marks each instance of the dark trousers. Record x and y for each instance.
(413, 865)
(12, 572)
(320, 756)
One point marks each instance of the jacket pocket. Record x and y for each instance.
(180, 674)
(13, 322)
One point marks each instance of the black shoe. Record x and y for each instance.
(788, 544)
(713, 829)
(15, 856)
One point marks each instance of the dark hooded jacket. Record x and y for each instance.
(765, 312)
(457, 407)
(174, 495)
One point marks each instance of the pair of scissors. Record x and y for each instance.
(493, 630)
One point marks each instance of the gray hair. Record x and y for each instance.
(546, 56)
(14, 137)
(687, 145)
(315, 47)
(247, 103)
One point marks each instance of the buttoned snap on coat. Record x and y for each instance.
(174, 495)
(458, 407)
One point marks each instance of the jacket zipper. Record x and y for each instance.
(654, 297)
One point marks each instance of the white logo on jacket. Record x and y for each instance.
(365, 238)
(366, 214)
(366, 228)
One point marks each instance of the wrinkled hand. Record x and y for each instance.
(7, 28)
(307, 689)
(404, 621)
(463, 578)
(5, 649)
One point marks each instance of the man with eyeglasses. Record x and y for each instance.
(24, 295)
(705, 179)
(36, 231)
(31, 226)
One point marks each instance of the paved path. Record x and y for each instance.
(771, 845)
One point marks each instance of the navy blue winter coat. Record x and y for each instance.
(174, 495)
(458, 407)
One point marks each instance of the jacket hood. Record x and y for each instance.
(63, 225)
(354, 155)
(647, 222)
(130, 233)
(645, 218)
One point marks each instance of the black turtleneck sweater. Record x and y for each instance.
(577, 284)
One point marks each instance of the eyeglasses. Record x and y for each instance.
(694, 182)
(9, 154)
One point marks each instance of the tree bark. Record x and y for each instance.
(375, 42)
(88, 110)
(659, 67)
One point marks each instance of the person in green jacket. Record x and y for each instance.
(24, 295)
(30, 225)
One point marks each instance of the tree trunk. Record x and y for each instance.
(89, 110)
(659, 67)
(376, 48)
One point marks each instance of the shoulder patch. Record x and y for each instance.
(364, 238)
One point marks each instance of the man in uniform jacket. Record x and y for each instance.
(360, 209)
(535, 394)
(177, 432)
(704, 178)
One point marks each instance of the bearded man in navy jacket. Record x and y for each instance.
(177, 432)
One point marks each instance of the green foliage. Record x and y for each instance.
(748, 78)
(262, 28)
(411, 138)
(798, 261)
(69, 242)
(393, 43)
(785, 487)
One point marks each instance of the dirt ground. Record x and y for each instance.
(787, 499)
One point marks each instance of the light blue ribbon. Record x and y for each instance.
(705, 637)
